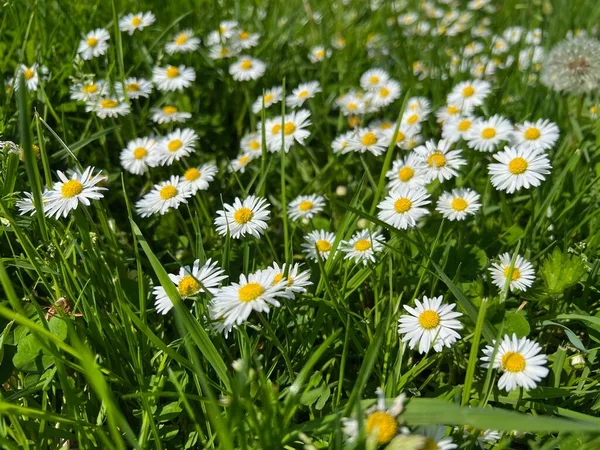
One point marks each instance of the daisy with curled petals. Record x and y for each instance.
(169, 114)
(380, 422)
(272, 96)
(173, 78)
(539, 135)
(318, 54)
(94, 44)
(403, 207)
(135, 88)
(521, 361)
(183, 42)
(190, 281)
(77, 187)
(136, 22)
(521, 273)
(435, 438)
(469, 94)
(296, 281)
(164, 196)
(373, 79)
(247, 68)
(255, 292)
(197, 178)
(105, 107)
(458, 204)
(303, 92)
(430, 324)
(409, 172)
(294, 130)
(456, 129)
(174, 146)
(369, 140)
(442, 163)
(387, 94)
(135, 158)
(305, 206)
(485, 135)
(243, 217)
(88, 91)
(318, 244)
(518, 168)
(362, 246)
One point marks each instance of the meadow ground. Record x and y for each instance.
(299, 224)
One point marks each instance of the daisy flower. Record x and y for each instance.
(340, 143)
(190, 281)
(220, 52)
(94, 44)
(247, 68)
(243, 217)
(421, 105)
(255, 292)
(88, 91)
(409, 172)
(435, 438)
(318, 244)
(174, 146)
(135, 88)
(239, 164)
(369, 140)
(173, 78)
(430, 324)
(26, 204)
(272, 96)
(77, 187)
(305, 206)
(183, 42)
(251, 143)
(539, 135)
(318, 54)
(403, 207)
(303, 92)
(105, 107)
(294, 130)
(352, 104)
(485, 135)
(387, 94)
(522, 274)
(373, 79)
(362, 246)
(136, 22)
(442, 163)
(469, 94)
(169, 114)
(521, 361)
(456, 129)
(135, 157)
(458, 204)
(197, 178)
(164, 196)
(31, 76)
(407, 134)
(518, 168)
(296, 281)
(244, 40)
(227, 29)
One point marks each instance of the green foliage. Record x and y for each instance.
(561, 271)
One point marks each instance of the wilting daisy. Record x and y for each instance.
(387, 94)
(243, 217)
(403, 207)
(518, 168)
(458, 204)
(362, 246)
(294, 130)
(272, 96)
(169, 114)
(305, 206)
(373, 79)
(135, 88)
(430, 324)
(369, 140)
(136, 156)
(247, 68)
(381, 422)
(174, 146)
(105, 107)
(183, 42)
(519, 359)
(255, 292)
(296, 280)
(435, 438)
(485, 135)
(409, 171)
(94, 44)
(303, 92)
(31, 76)
(539, 135)
(164, 196)
(456, 129)
(173, 78)
(88, 91)
(77, 187)
(318, 244)
(197, 178)
(136, 22)
(318, 54)
(469, 94)
(442, 163)
(190, 281)
(521, 273)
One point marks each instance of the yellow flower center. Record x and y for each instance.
(303, 94)
(277, 278)
(468, 91)
(243, 215)
(320, 53)
(517, 165)
(224, 51)
(108, 103)
(244, 160)
(362, 245)
(429, 444)
(188, 286)
(89, 89)
(92, 42)
(374, 79)
(306, 205)
(191, 174)
(268, 98)
(28, 74)
(250, 292)
(169, 110)
(400, 136)
(140, 152)
(413, 119)
(513, 362)
(452, 110)
(384, 424)
(386, 125)
(172, 72)
(168, 192)
(384, 92)
(136, 21)
(429, 319)
(289, 128)
(405, 174)
(516, 273)
(133, 87)
(323, 245)
(369, 139)
(459, 204)
(174, 145)
(71, 188)
(488, 133)
(436, 159)
(254, 145)
(593, 110)
(402, 205)
(181, 39)
(276, 129)
(351, 106)
(246, 64)
(464, 125)
(532, 133)
(244, 35)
